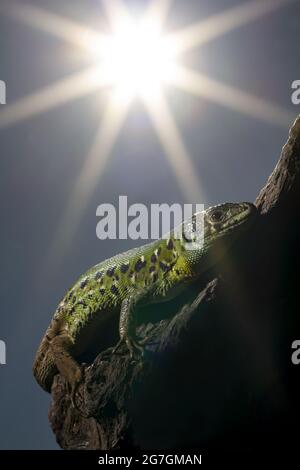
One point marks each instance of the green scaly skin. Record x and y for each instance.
(124, 283)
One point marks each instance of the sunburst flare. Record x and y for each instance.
(138, 60)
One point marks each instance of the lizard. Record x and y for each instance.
(123, 284)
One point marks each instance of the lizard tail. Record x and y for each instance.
(44, 367)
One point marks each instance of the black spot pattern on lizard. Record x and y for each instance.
(114, 289)
(72, 311)
(110, 271)
(140, 264)
(153, 259)
(152, 269)
(165, 267)
(154, 277)
(98, 275)
(124, 268)
(102, 291)
(170, 244)
(70, 295)
(83, 283)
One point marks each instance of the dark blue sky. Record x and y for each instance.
(40, 158)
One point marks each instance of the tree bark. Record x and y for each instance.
(217, 370)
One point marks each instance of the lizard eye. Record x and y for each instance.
(216, 216)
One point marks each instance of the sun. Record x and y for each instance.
(137, 59)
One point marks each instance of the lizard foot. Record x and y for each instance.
(136, 349)
(118, 346)
(135, 346)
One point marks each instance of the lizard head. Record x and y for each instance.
(227, 218)
(218, 225)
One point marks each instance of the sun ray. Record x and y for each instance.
(222, 23)
(92, 79)
(93, 167)
(116, 12)
(225, 95)
(174, 147)
(158, 10)
(66, 29)
(65, 90)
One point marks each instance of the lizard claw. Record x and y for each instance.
(117, 347)
(136, 349)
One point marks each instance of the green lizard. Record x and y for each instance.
(124, 283)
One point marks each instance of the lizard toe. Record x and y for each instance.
(136, 349)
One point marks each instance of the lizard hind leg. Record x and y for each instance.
(61, 347)
(44, 368)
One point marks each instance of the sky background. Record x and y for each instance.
(41, 157)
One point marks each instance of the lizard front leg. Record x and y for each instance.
(128, 322)
(127, 327)
(61, 347)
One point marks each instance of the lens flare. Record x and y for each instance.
(137, 59)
